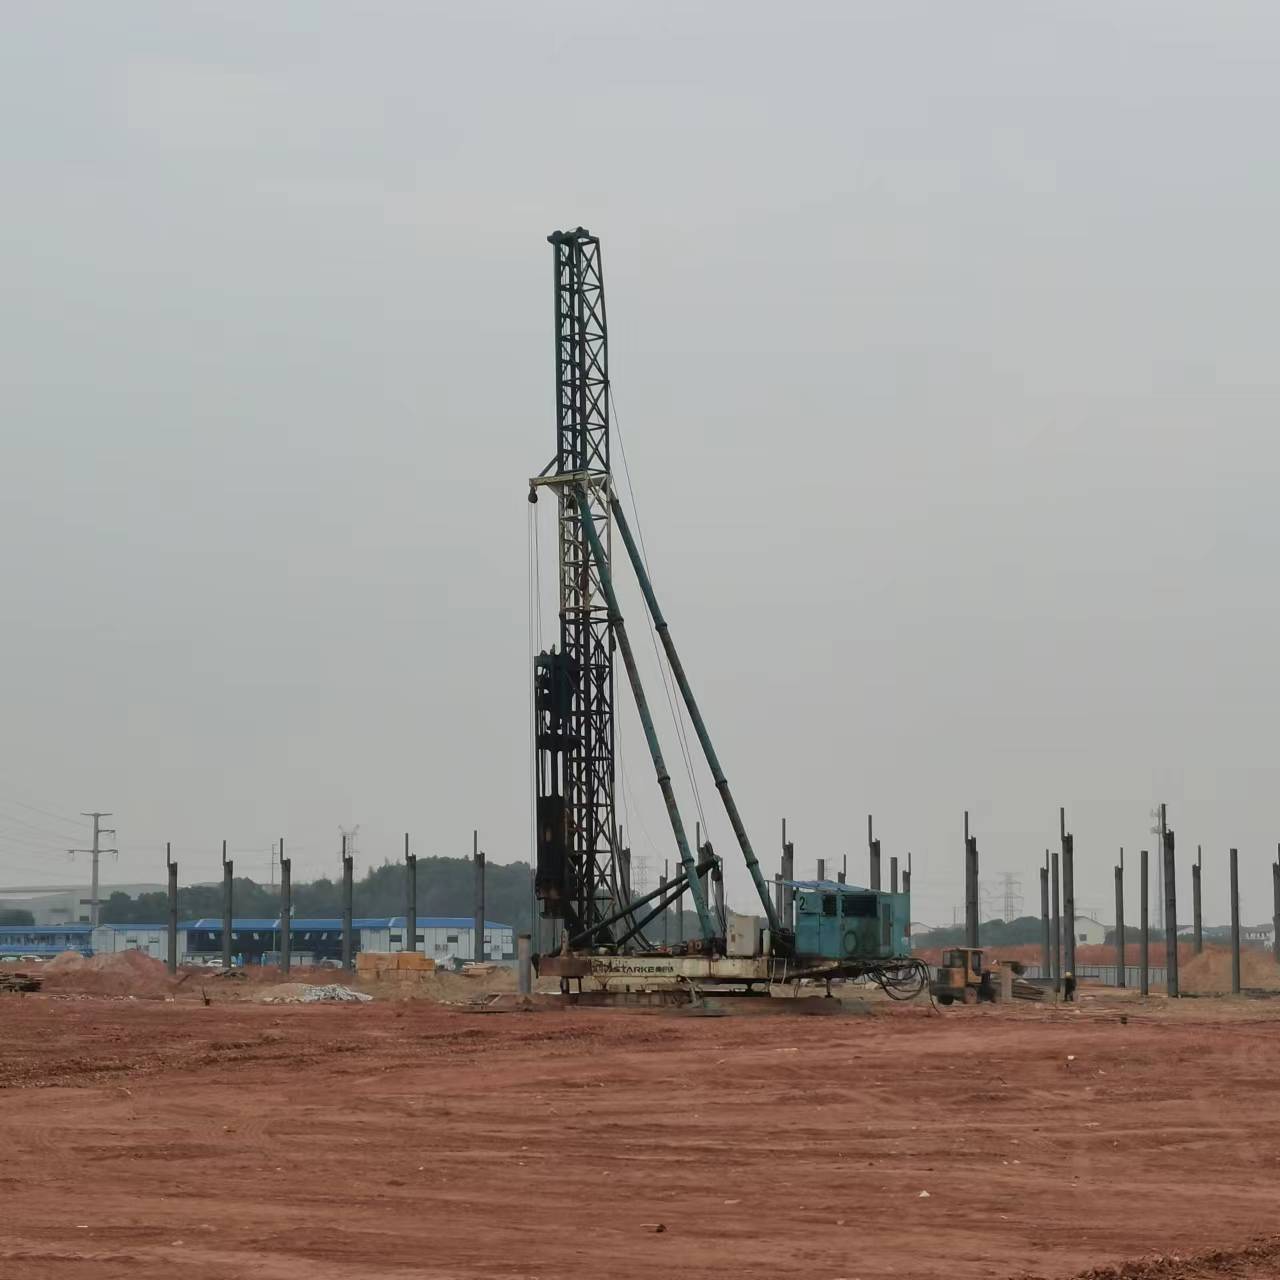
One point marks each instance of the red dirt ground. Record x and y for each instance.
(150, 1138)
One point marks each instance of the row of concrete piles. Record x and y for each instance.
(1057, 902)
(784, 894)
(286, 905)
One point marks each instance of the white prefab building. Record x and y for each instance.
(1262, 935)
(153, 939)
(443, 938)
(1090, 932)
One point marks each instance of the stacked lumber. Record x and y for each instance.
(393, 966)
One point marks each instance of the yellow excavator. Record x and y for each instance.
(961, 977)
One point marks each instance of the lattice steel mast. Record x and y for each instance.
(574, 686)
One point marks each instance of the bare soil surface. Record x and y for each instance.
(147, 1138)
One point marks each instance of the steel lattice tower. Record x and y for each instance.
(574, 688)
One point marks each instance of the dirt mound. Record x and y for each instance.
(1255, 1260)
(125, 973)
(1210, 972)
(1105, 952)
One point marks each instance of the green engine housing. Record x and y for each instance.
(845, 922)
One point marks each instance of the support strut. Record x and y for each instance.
(699, 725)
(642, 706)
(670, 890)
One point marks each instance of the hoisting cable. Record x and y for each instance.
(673, 705)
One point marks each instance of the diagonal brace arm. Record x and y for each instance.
(642, 706)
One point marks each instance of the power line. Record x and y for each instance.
(35, 842)
(673, 704)
(59, 836)
(48, 813)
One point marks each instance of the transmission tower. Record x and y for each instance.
(639, 875)
(1012, 896)
(93, 902)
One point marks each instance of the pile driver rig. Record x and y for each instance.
(582, 877)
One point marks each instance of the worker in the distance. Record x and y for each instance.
(1069, 986)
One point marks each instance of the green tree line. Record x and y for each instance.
(1027, 929)
(994, 933)
(446, 887)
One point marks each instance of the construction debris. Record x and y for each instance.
(307, 993)
(19, 982)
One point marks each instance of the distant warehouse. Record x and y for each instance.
(443, 938)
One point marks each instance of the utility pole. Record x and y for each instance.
(1170, 906)
(970, 885)
(1145, 953)
(410, 897)
(1055, 892)
(286, 911)
(1068, 890)
(535, 921)
(1235, 923)
(666, 914)
(680, 913)
(1120, 973)
(1046, 963)
(226, 910)
(717, 886)
(906, 888)
(873, 851)
(96, 851)
(788, 877)
(347, 863)
(172, 868)
(1157, 829)
(1197, 929)
(626, 894)
(477, 857)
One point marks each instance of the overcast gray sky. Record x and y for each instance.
(943, 344)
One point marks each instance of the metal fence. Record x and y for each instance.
(1105, 974)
